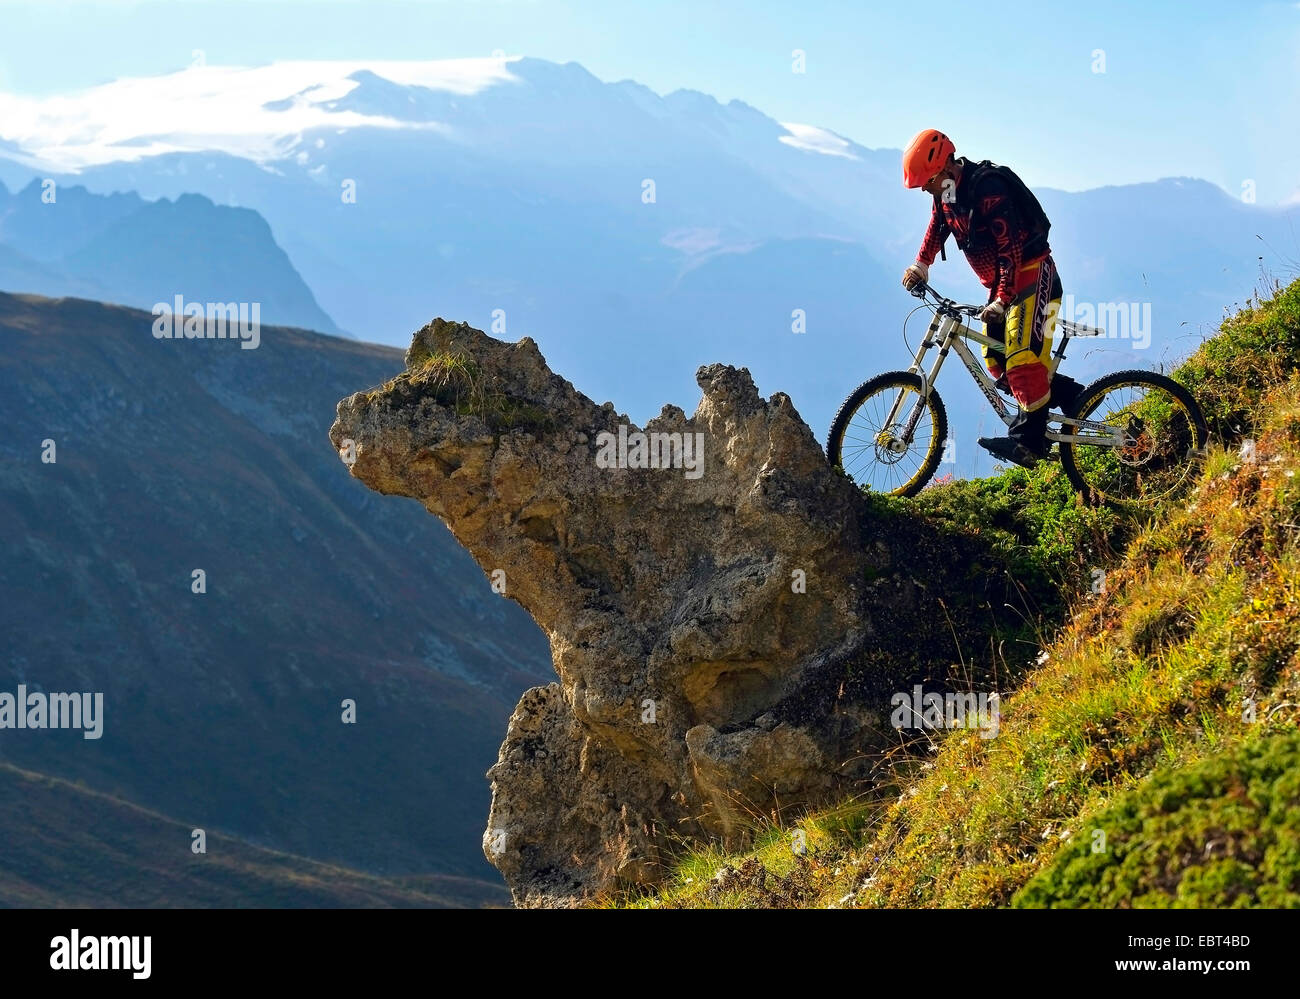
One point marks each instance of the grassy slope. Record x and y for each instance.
(1151, 759)
(64, 845)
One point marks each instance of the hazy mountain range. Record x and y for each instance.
(519, 185)
(122, 248)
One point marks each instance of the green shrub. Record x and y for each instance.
(1222, 833)
(1048, 539)
(1255, 349)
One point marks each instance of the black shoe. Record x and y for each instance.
(1009, 449)
(1065, 390)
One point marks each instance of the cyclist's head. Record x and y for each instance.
(928, 160)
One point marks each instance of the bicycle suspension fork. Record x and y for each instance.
(933, 338)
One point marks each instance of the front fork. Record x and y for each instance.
(899, 443)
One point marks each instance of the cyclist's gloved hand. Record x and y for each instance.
(994, 313)
(914, 274)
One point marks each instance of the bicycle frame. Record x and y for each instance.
(947, 332)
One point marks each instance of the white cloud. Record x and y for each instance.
(693, 241)
(218, 107)
(812, 139)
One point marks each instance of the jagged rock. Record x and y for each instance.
(700, 618)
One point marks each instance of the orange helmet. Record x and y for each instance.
(925, 156)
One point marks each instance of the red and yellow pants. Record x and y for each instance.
(1027, 335)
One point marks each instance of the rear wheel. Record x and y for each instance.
(1164, 438)
(870, 447)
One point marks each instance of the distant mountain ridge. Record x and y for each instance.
(122, 248)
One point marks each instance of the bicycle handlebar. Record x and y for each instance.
(948, 305)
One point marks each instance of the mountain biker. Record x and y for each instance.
(1004, 236)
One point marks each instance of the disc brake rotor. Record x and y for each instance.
(1139, 444)
(888, 447)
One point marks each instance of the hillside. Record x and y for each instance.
(67, 846)
(1152, 757)
(223, 708)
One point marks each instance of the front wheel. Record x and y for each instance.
(870, 437)
(1159, 437)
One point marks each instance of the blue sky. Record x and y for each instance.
(1201, 89)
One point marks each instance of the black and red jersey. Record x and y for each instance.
(1000, 245)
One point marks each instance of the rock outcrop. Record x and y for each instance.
(715, 617)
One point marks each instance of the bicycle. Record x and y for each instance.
(1113, 448)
